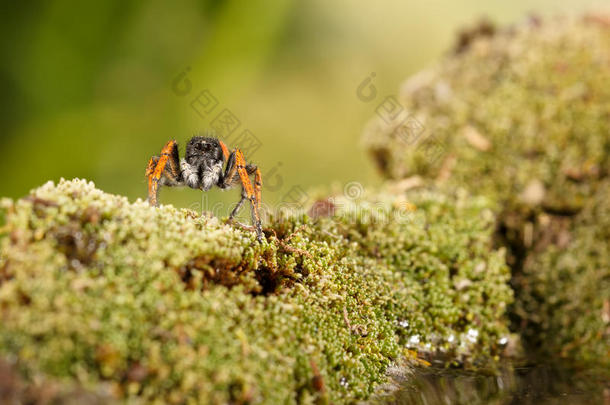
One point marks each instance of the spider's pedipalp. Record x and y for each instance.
(189, 174)
(228, 179)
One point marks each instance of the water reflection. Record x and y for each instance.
(523, 385)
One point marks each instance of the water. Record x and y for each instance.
(538, 385)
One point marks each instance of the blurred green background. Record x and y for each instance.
(93, 89)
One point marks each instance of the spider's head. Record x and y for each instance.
(203, 152)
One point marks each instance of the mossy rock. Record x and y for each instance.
(523, 118)
(162, 304)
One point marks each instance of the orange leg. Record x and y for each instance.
(155, 170)
(225, 150)
(258, 184)
(152, 186)
(150, 168)
(240, 162)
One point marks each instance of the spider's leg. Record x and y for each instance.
(157, 168)
(174, 163)
(225, 150)
(152, 186)
(237, 207)
(249, 192)
(228, 178)
(258, 183)
(152, 163)
(153, 182)
(250, 169)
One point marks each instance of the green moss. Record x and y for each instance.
(576, 317)
(522, 118)
(162, 304)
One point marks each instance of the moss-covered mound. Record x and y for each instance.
(163, 304)
(523, 117)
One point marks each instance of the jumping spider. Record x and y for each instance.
(202, 168)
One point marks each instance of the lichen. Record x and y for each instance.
(164, 305)
(523, 117)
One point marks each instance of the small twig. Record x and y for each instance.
(290, 248)
(356, 329)
(296, 250)
(346, 319)
(243, 226)
(300, 228)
